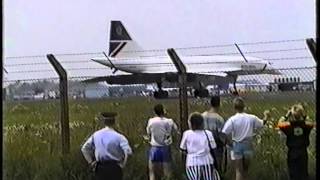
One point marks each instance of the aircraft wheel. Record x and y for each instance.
(201, 93)
(161, 94)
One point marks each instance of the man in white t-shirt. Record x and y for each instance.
(160, 130)
(242, 127)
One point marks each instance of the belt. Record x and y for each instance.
(107, 162)
(245, 140)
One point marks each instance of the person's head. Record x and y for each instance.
(238, 104)
(297, 112)
(159, 110)
(195, 121)
(215, 101)
(108, 118)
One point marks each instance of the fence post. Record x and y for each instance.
(312, 48)
(183, 95)
(64, 106)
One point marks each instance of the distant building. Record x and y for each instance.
(125, 91)
(50, 94)
(251, 85)
(38, 96)
(96, 90)
(292, 84)
(27, 95)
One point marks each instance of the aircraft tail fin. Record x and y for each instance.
(120, 43)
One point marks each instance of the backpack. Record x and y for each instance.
(216, 133)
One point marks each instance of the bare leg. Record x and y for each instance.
(155, 172)
(239, 169)
(167, 170)
(246, 164)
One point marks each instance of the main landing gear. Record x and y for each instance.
(161, 94)
(201, 93)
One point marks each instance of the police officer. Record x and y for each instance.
(106, 150)
(297, 130)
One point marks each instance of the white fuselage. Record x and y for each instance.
(194, 64)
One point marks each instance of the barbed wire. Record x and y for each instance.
(75, 78)
(158, 64)
(45, 63)
(271, 42)
(32, 71)
(215, 46)
(279, 69)
(32, 79)
(76, 69)
(159, 50)
(229, 53)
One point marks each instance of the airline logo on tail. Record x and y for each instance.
(118, 38)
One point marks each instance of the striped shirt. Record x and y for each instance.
(196, 144)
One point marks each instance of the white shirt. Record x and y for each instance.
(242, 126)
(160, 129)
(106, 144)
(196, 145)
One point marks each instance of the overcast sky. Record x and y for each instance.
(37, 27)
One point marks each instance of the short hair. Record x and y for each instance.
(196, 121)
(108, 117)
(238, 104)
(159, 109)
(215, 101)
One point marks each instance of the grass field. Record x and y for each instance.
(32, 146)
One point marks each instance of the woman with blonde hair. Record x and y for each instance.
(297, 130)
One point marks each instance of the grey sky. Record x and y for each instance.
(37, 27)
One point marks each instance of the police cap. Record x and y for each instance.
(107, 115)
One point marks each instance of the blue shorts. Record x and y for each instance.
(160, 154)
(241, 149)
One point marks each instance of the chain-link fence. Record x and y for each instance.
(31, 106)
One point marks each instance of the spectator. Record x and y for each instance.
(160, 129)
(242, 127)
(197, 144)
(106, 150)
(214, 123)
(297, 130)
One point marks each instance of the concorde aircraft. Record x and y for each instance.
(201, 70)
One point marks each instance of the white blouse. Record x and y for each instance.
(196, 144)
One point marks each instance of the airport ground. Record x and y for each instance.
(32, 141)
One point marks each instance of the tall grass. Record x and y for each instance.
(32, 143)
